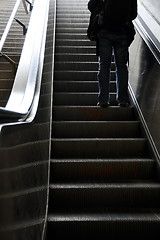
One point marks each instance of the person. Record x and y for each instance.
(115, 34)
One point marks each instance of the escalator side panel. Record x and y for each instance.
(144, 80)
(24, 163)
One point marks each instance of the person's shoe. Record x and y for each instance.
(123, 104)
(103, 104)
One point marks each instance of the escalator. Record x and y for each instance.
(103, 176)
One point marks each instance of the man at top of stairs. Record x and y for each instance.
(115, 34)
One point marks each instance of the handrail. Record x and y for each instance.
(151, 35)
(8, 26)
(147, 37)
(29, 70)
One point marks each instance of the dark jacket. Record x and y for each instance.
(118, 16)
(117, 12)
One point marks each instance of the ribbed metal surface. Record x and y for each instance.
(102, 179)
(24, 163)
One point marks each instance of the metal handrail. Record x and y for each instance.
(29, 70)
(147, 37)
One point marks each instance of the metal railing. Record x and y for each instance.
(148, 37)
(24, 97)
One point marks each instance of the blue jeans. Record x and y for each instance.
(109, 42)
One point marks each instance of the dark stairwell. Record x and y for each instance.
(103, 177)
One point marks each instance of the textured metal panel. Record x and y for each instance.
(144, 79)
(24, 166)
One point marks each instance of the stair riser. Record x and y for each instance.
(76, 50)
(73, 12)
(17, 44)
(79, 66)
(78, 36)
(111, 170)
(4, 94)
(71, 30)
(75, 57)
(92, 114)
(6, 74)
(10, 50)
(95, 129)
(12, 36)
(72, 25)
(78, 86)
(100, 229)
(99, 148)
(13, 57)
(6, 84)
(79, 99)
(5, 66)
(79, 75)
(73, 21)
(119, 196)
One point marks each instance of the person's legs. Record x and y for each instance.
(103, 76)
(121, 59)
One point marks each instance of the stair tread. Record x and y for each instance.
(98, 139)
(115, 108)
(102, 160)
(77, 93)
(107, 214)
(113, 185)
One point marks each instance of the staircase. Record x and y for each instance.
(103, 180)
(12, 47)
